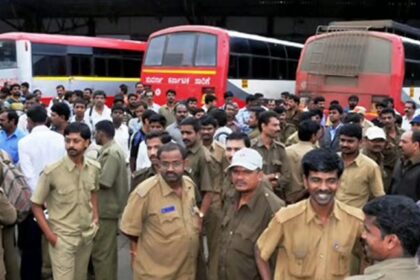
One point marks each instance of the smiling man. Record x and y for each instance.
(391, 236)
(316, 235)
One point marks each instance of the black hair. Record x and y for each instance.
(399, 215)
(209, 98)
(239, 136)
(285, 93)
(191, 99)
(258, 95)
(80, 101)
(106, 127)
(124, 88)
(118, 108)
(14, 85)
(352, 130)
(208, 120)
(413, 104)
(264, 118)
(305, 116)
(318, 99)
(78, 127)
(322, 160)
(59, 86)
(334, 102)
(295, 98)
(227, 94)
(415, 137)
(88, 89)
(157, 118)
(280, 110)
(131, 95)
(194, 111)
(12, 115)
(61, 109)
(388, 100)
(193, 122)
(307, 129)
(317, 112)
(250, 98)
(352, 118)
(32, 96)
(164, 136)
(387, 111)
(353, 97)
(147, 115)
(37, 114)
(171, 146)
(25, 84)
(220, 116)
(99, 92)
(170, 91)
(398, 119)
(336, 107)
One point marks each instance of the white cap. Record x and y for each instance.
(247, 158)
(375, 132)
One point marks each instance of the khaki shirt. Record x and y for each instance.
(67, 191)
(307, 248)
(140, 175)
(361, 180)
(113, 181)
(293, 117)
(292, 139)
(166, 227)
(198, 162)
(168, 113)
(219, 163)
(295, 154)
(392, 152)
(391, 269)
(239, 231)
(275, 160)
(379, 159)
(288, 130)
(8, 216)
(254, 133)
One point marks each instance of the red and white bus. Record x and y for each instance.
(77, 62)
(354, 58)
(194, 60)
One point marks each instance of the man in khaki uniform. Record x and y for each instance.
(244, 218)
(308, 135)
(362, 178)
(286, 129)
(168, 110)
(112, 196)
(68, 188)
(8, 216)
(316, 236)
(162, 221)
(254, 114)
(276, 165)
(391, 235)
(154, 140)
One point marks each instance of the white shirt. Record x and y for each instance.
(94, 117)
(406, 123)
(23, 123)
(121, 137)
(40, 148)
(142, 160)
(155, 107)
(85, 121)
(221, 134)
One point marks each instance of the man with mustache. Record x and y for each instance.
(314, 237)
(162, 221)
(362, 178)
(391, 237)
(69, 188)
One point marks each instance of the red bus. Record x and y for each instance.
(194, 60)
(77, 62)
(354, 58)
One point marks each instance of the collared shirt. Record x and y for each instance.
(9, 143)
(175, 131)
(168, 113)
(309, 249)
(121, 137)
(406, 125)
(333, 131)
(239, 231)
(286, 131)
(379, 159)
(23, 123)
(361, 180)
(67, 191)
(141, 175)
(391, 269)
(155, 107)
(85, 121)
(295, 154)
(94, 116)
(113, 181)
(37, 150)
(275, 160)
(142, 160)
(166, 227)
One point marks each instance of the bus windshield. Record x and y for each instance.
(7, 54)
(184, 49)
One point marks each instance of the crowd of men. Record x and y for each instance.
(274, 190)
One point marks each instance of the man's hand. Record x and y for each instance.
(52, 238)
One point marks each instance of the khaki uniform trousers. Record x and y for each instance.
(105, 250)
(70, 258)
(11, 253)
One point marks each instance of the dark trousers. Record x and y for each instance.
(29, 242)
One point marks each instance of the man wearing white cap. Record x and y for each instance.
(245, 217)
(374, 145)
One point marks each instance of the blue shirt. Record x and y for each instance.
(10, 143)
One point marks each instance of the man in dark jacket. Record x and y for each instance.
(406, 177)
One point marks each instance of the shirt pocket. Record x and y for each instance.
(66, 195)
(302, 263)
(170, 225)
(340, 261)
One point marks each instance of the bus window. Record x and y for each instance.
(277, 51)
(243, 67)
(278, 69)
(7, 54)
(239, 45)
(260, 68)
(80, 65)
(258, 48)
(233, 67)
(377, 56)
(179, 49)
(155, 51)
(49, 65)
(206, 50)
(99, 68)
(131, 68)
(114, 67)
(412, 73)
